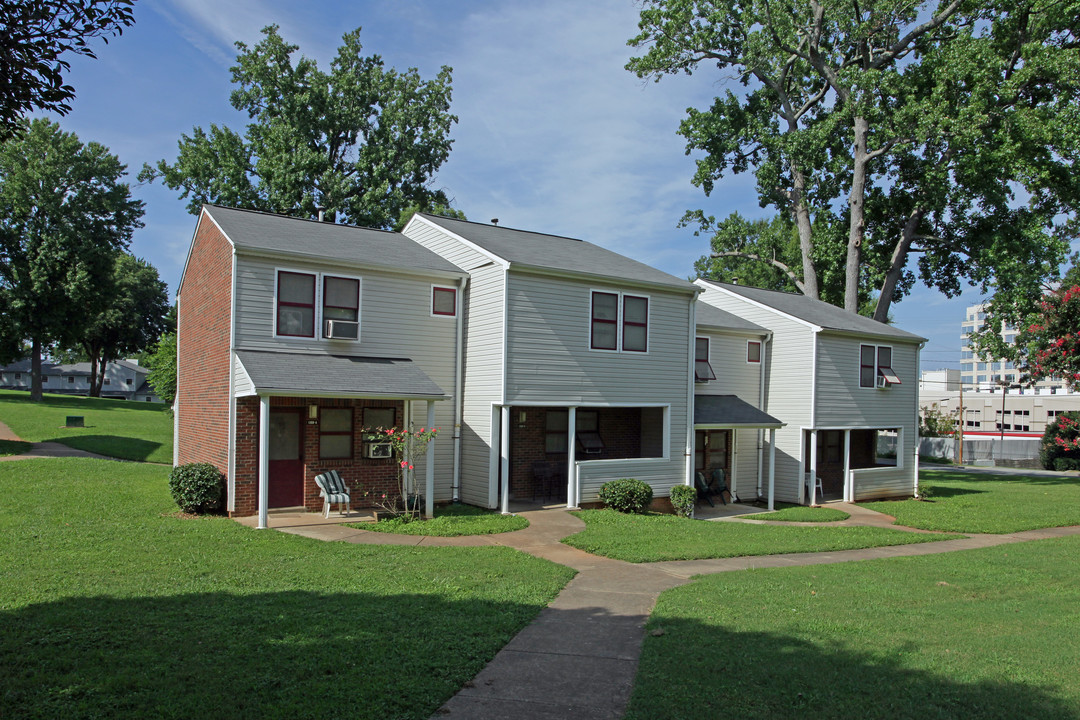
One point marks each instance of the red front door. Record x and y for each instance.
(286, 459)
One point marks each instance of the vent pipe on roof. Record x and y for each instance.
(494, 221)
(322, 213)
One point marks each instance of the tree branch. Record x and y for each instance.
(770, 261)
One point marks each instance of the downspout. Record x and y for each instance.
(691, 354)
(459, 394)
(761, 406)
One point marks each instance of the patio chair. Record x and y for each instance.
(332, 489)
(820, 490)
(703, 489)
(719, 485)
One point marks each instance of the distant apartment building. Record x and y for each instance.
(984, 373)
(124, 379)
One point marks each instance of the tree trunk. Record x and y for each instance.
(806, 238)
(95, 389)
(896, 266)
(856, 210)
(35, 370)
(101, 375)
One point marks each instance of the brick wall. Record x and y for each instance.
(620, 429)
(202, 382)
(359, 473)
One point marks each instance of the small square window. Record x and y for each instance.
(444, 301)
(753, 351)
(71, 380)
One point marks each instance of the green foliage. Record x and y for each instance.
(450, 521)
(406, 445)
(436, 209)
(683, 498)
(1061, 443)
(64, 214)
(975, 635)
(658, 538)
(935, 422)
(130, 317)
(969, 502)
(162, 366)
(362, 141)
(38, 37)
(197, 487)
(886, 130)
(800, 513)
(627, 495)
(116, 428)
(151, 615)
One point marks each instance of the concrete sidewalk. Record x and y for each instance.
(579, 657)
(44, 449)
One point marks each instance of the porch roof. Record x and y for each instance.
(307, 374)
(730, 411)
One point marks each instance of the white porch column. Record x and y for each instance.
(504, 449)
(772, 467)
(849, 485)
(410, 477)
(429, 479)
(264, 460)
(813, 467)
(571, 457)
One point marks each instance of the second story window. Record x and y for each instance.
(703, 371)
(875, 366)
(635, 323)
(443, 301)
(296, 304)
(753, 351)
(605, 321)
(619, 322)
(341, 307)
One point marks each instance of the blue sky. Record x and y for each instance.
(553, 134)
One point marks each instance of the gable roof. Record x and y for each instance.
(816, 312)
(557, 253)
(711, 316)
(254, 230)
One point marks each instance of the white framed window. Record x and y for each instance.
(753, 351)
(703, 371)
(619, 322)
(316, 306)
(875, 361)
(443, 301)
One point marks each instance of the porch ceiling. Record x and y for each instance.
(283, 373)
(730, 411)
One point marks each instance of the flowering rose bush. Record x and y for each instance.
(406, 445)
(1061, 443)
(1050, 344)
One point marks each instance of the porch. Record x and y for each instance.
(849, 467)
(720, 422)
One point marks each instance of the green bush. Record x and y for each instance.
(197, 487)
(627, 495)
(1062, 464)
(683, 498)
(1061, 441)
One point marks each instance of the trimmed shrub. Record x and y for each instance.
(683, 498)
(197, 487)
(1061, 441)
(627, 495)
(1062, 464)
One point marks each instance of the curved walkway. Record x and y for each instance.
(578, 658)
(44, 449)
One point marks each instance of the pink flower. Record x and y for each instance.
(421, 429)
(410, 467)
(404, 463)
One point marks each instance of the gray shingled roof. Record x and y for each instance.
(554, 252)
(304, 373)
(251, 230)
(730, 410)
(710, 316)
(818, 312)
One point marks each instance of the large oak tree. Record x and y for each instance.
(361, 142)
(944, 130)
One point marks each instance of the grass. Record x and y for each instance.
(14, 447)
(801, 513)
(653, 538)
(450, 521)
(974, 635)
(116, 428)
(960, 501)
(113, 606)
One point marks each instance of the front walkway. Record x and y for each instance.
(579, 657)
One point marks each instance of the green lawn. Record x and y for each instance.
(13, 447)
(451, 521)
(970, 635)
(117, 428)
(968, 502)
(111, 606)
(652, 538)
(801, 513)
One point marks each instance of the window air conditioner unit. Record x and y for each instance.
(882, 382)
(342, 329)
(378, 450)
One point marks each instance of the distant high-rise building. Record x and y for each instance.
(984, 373)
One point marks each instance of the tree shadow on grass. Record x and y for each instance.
(116, 446)
(694, 670)
(217, 655)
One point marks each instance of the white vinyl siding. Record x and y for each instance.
(396, 322)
